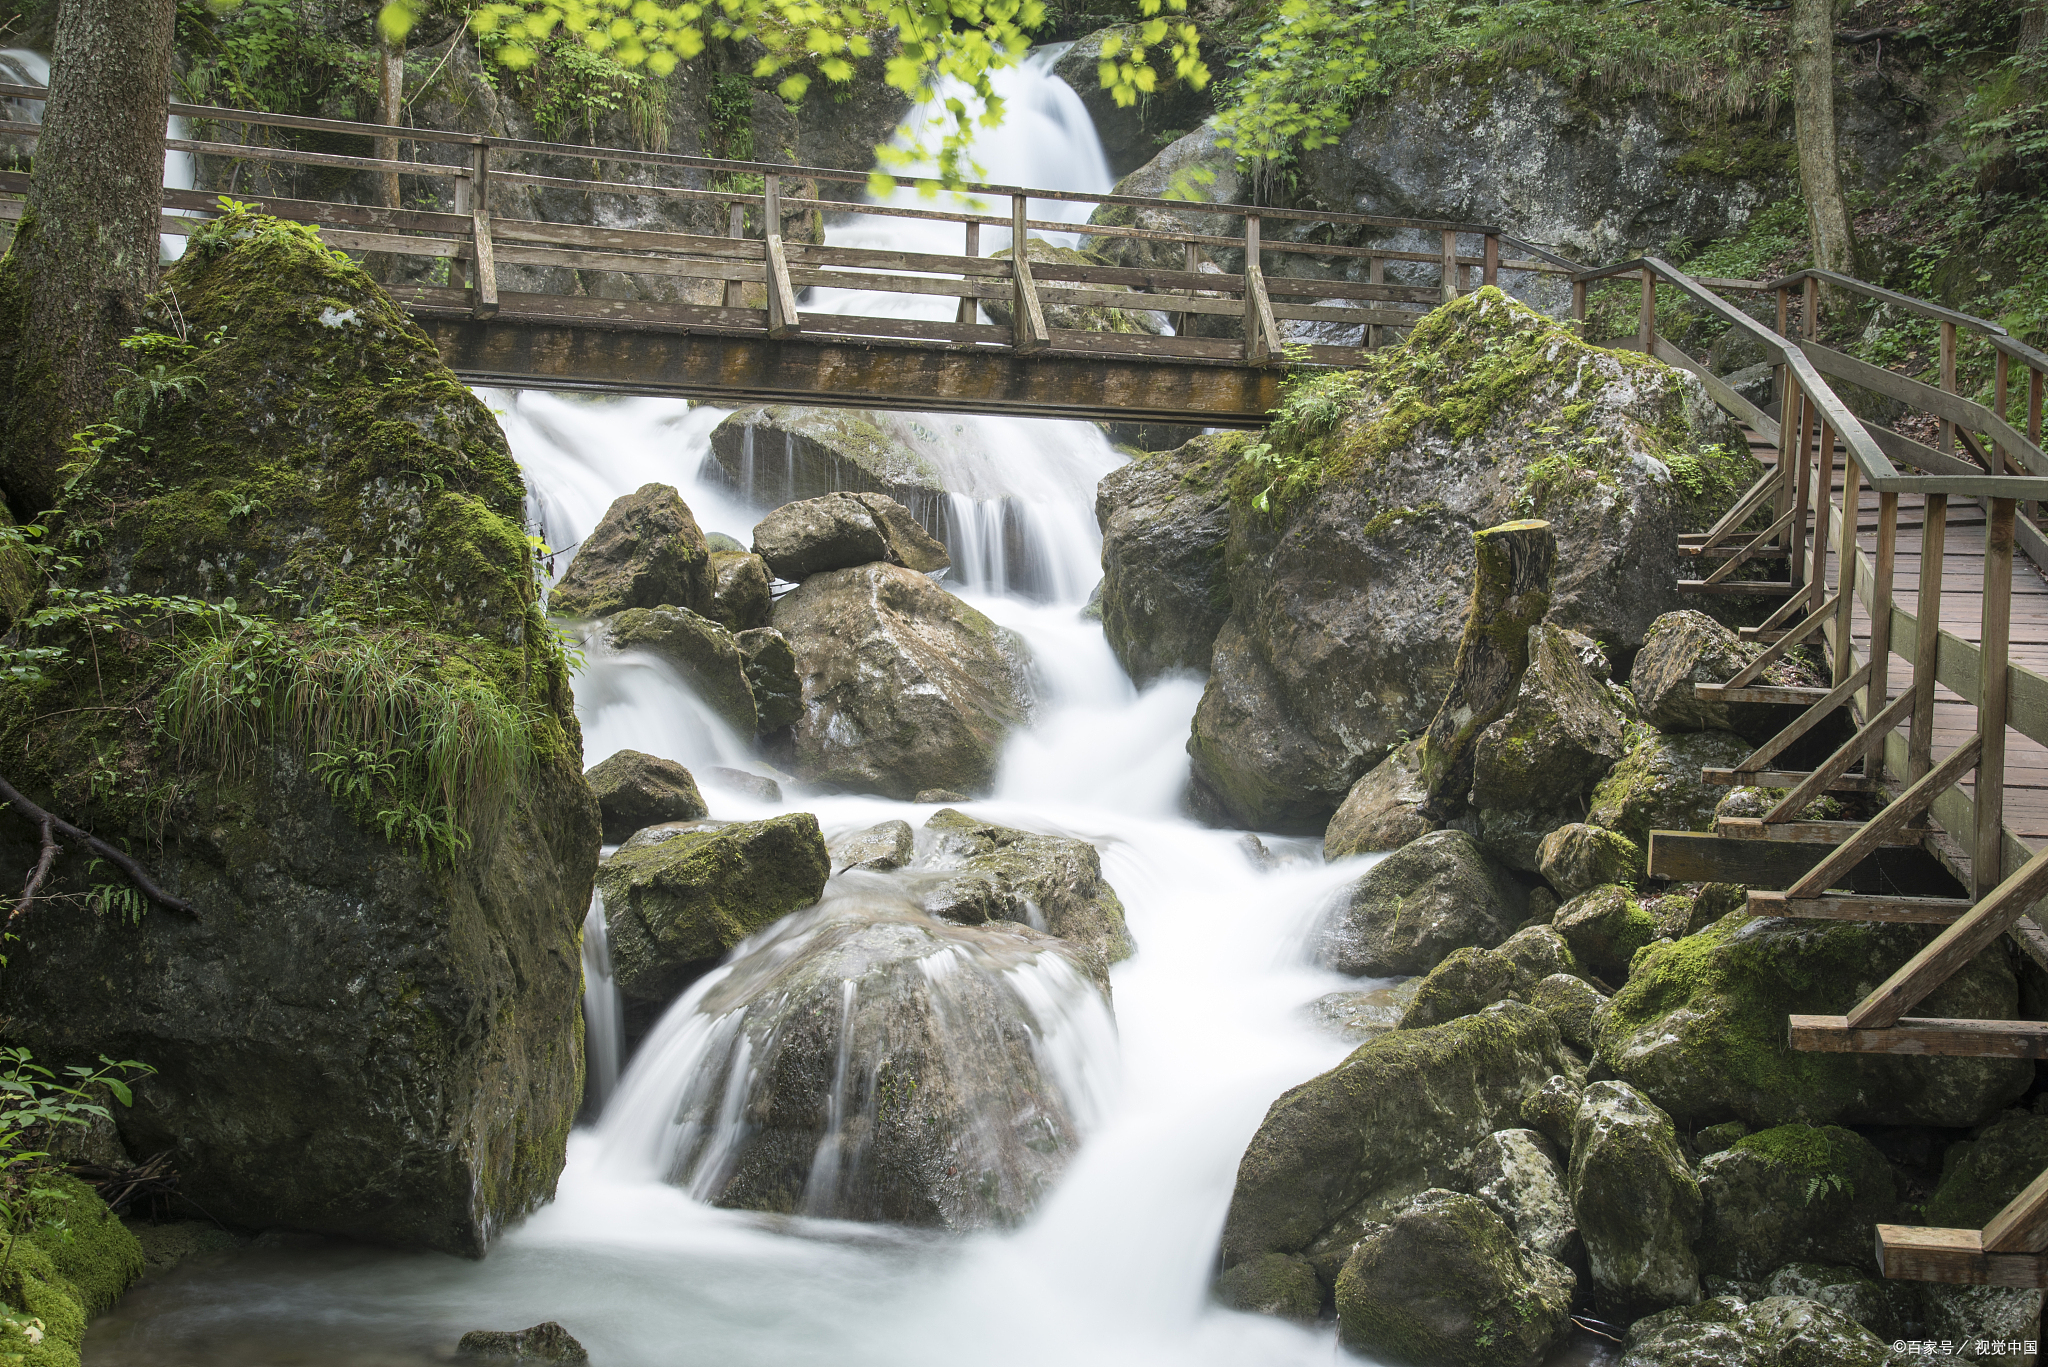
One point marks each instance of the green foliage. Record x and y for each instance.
(1289, 461)
(280, 55)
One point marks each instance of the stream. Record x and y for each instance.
(1209, 1023)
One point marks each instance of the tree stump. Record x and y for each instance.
(1510, 594)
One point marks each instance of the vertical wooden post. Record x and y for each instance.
(1845, 570)
(1450, 266)
(1646, 327)
(1490, 272)
(1802, 482)
(1375, 274)
(1260, 338)
(970, 305)
(1882, 574)
(1823, 486)
(484, 298)
(736, 226)
(1927, 645)
(1987, 861)
(1948, 382)
(1027, 318)
(1579, 304)
(1784, 310)
(1191, 260)
(458, 267)
(781, 301)
(1788, 412)
(2034, 386)
(1810, 324)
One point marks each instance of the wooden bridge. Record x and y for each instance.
(753, 340)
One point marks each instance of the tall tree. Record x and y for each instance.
(1813, 112)
(390, 104)
(86, 251)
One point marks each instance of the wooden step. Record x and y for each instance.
(1929, 1035)
(1807, 832)
(1783, 778)
(1769, 636)
(1799, 697)
(1763, 588)
(1926, 911)
(1916, 1253)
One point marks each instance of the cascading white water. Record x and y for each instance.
(1114, 1266)
(604, 1034)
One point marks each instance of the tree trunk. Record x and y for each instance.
(86, 252)
(390, 106)
(1813, 109)
(2033, 27)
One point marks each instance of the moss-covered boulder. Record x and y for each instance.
(1517, 1173)
(1794, 1193)
(1404, 1113)
(1383, 810)
(1048, 882)
(1636, 1201)
(1688, 648)
(1467, 980)
(359, 761)
(1605, 927)
(1445, 1283)
(1573, 1004)
(543, 1342)
(1657, 787)
(1884, 1308)
(646, 551)
(1539, 951)
(1350, 555)
(769, 662)
(703, 652)
(635, 791)
(775, 455)
(677, 899)
(1164, 593)
(740, 596)
(1779, 1331)
(73, 1260)
(1418, 904)
(1273, 1284)
(1577, 858)
(1979, 1176)
(905, 687)
(1700, 1025)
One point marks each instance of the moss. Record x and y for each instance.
(74, 1262)
(1978, 1178)
(1828, 1156)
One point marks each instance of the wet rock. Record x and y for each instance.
(674, 905)
(1686, 648)
(1794, 1193)
(1402, 1114)
(1418, 904)
(1517, 1173)
(1467, 980)
(1164, 592)
(759, 787)
(905, 687)
(840, 531)
(1574, 1004)
(1383, 810)
(1979, 1176)
(1854, 1295)
(769, 662)
(1131, 134)
(940, 795)
(775, 455)
(544, 1342)
(1578, 858)
(646, 551)
(1256, 854)
(703, 652)
(889, 845)
(1539, 951)
(635, 790)
(718, 543)
(1445, 1281)
(1715, 1138)
(1273, 1284)
(1358, 1016)
(1964, 1315)
(1636, 1201)
(1780, 1331)
(1605, 928)
(1552, 1109)
(1700, 1025)
(1657, 787)
(1050, 883)
(740, 596)
(892, 1071)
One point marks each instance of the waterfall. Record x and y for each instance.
(604, 1031)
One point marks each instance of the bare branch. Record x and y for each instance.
(40, 871)
(136, 873)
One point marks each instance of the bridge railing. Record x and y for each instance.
(757, 272)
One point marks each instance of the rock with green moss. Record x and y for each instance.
(1979, 1176)
(1539, 951)
(635, 791)
(1553, 1108)
(1405, 1112)
(1779, 1331)
(1534, 766)
(1636, 1201)
(1657, 787)
(1517, 1173)
(1164, 592)
(371, 1028)
(1418, 904)
(905, 687)
(1884, 1308)
(1076, 317)
(1700, 1025)
(740, 598)
(1467, 980)
(1350, 554)
(1576, 858)
(775, 455)
(1358, 1016)
(840, 531)
(543, 1342)
(1605, 927)
(1051, 883)
(1445, 1283)
(1794, 1193)
(74, 1260)
(674, 904)
(167, 1243)
(646, 551)
(1275, 1284)
(1966, 1315)
(769, 662)
(1688, 648)
(1383, 810)
(699, 649)
(1574, 1004)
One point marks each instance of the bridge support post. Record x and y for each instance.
(1450, 265)
(1261, 333)
(782, 314)
(970, 306)
(484, 299)
(1987, 859)
(1027, 317)
(1646, 324)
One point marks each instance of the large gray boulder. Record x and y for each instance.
(1445, 1282)
(1700, 1025)
(1467, 981)
(769, 662)
(1657, 787)
(1605, 927)
(840, 531)
(1192, 169)
(905, 687)
(677, 899)
(1405, 1112)
(1420, 903)
(703, 652)
(636, 790)
(1576, 858)
(1793, 1194)
(775, 455)
(1779, 1331)
(1517, 1173)
(858, 1082)
(740, 596)
(1980, 1175)
(1050, 883)
(646, 551)
(1636, 1201)
(1164, 593)
(1383, 810)
(1346, 592)
(1688, 648)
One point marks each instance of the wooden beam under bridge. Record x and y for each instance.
(735, 370)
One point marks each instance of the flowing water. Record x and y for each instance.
(1209, 1025)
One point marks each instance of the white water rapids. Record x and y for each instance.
(1115, 1265)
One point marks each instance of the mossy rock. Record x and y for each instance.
(1051, 883)
(1687, 648)
(646, 551)
(1574, 1004)
(1794, 1193)
(1657, 787)
(776, 455)
(1637, 1202)
(770, 664)
(1273, 1284)
(1435, 895)
(740, 596)
(1578, 858)
(1700, 1025)
(1517, 1173)
(75, 1261)
(1779, 1331)
(1468, 980)
(1605, 928)
(1164, 592)
(703, 652)
(1979, 1176)
(636, 790)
